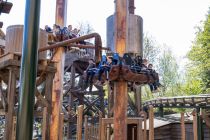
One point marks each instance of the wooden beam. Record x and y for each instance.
(59, 57)
(61, 126)
(195, 125)
(120, 110)
(151, 123)
(138, 98)
(48, 98)
(86, 128)
(44, 124)
(139, 130)
(11, 101)
(79, 122)
(120, 87)
(182, 126)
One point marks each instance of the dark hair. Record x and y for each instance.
(150, 65)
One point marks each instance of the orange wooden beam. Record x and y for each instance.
(57, 93)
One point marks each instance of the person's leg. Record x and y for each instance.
(151, 87)
(101, 71)
(91, 80)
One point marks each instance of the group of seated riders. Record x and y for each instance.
(60, 34)
(136, 65)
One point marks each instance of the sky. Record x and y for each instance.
(170, 22)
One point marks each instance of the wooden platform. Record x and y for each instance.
(14, 59)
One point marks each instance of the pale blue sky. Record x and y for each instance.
(168, 21)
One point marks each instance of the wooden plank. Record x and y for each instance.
(151, 123)
(103, 127)
(57, 94)
(79, 122)
(86, 128)
(195, 125)
(120, 87)
(61, 126)
(139, 130)
(48, 98)
(11, 101)
(183, 127)
(99, 126)
(6, 57)
(44, 124)
(138, 98)
(14, 128)
(144, 115)
(120, 110)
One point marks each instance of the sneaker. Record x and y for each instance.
(98, 83)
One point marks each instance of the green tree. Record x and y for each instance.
(168, 71)
(200, 55)
(150, 49)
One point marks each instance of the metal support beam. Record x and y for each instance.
(59, 57)
(24, 129)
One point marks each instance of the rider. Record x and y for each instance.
(154, 86)
(104, 67)
(90, 72)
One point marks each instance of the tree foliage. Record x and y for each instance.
(200, 55)
(168, 71)
(150, 49)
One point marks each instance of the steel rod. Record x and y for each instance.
(24, 129)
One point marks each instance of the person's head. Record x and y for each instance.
(145, 62)
(46, 26)
(150, 66)
(70, 27)
(109, 59)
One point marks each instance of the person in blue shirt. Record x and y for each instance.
(104, 67)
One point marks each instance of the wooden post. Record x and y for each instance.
(144, 115)
(145, 126)
(151, 123)
(182, 126)
(86, 128)
(70, 101)
(79, 122)
(44, 124)
(59, 57)
(195, 125)
(99, 125)
(61, 126)
(103, 129)
(14, 128)
(11, 101)
(139, 130)
(120, 87)
(110, 101)
(48, 96)
(120, 110)
(138, 97)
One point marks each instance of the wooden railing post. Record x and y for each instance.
(183, 126)
(86, 128)
(151, 123)
(61, 126)
(195, 125)
(79, 122)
